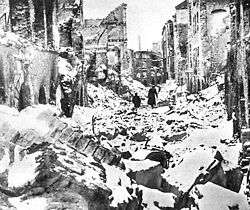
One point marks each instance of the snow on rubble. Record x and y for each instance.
(192, 131)
(218, 198)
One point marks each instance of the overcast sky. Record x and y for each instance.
(144, 17)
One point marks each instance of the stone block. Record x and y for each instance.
(91, 147)
(109, 158)
(82, 143)
(56, 132)
(150, 178)
(99, 153)
(116, 160)
(75, 138)
(146, 173)
(66, 134)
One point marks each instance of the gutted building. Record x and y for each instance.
(107, 39)
(180, 41)
(208, 35)
(28, 73)
(148, 67)
(48, 23)
(237, 77)
(168, 50)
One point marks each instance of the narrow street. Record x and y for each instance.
(192, 132)
(124, 105)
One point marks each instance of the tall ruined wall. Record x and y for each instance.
(48, 23)
(237, 77)
(180, 44)
(108, 36)
(4, 15)
(32, 20)
(214, 45)
(168, 50)
(208, 36)
(32, 67)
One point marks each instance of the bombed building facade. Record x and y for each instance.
(201, 33)
(44, 28)
(208, 34)
(148, 67)
(33, 33)
(106, 40)
(237, 74)
(180, 41)
(48, 23)
(168, 50)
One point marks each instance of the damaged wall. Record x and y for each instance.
(26, 74)
(168, 50)
(180, 42)
(148, 67)
(4, 15)
(102, 36)
(238, 67)
(47, 23)
(208, 35)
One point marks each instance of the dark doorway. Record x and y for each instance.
(42, 95)
(24, 97)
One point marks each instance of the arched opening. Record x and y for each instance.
(24, 97)
(218, 22)
(218, 11)
(42, 95)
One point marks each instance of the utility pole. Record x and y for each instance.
(83, 91)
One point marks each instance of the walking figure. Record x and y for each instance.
(136, 101)
(152, 95)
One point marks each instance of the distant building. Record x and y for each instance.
(168, 50)
(148, 67)
(107, 39)
(180, 42)
(208, 34)
(156, 47)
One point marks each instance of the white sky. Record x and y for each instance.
(144, 17)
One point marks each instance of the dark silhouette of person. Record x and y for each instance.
(136, 101)
(152, 94)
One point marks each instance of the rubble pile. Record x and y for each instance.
(60, 166)
(110, 156)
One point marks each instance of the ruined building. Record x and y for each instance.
(148, 67)
(180, 41)
(237, 75)
(107, 40)
(48, 23)
(208, 35)
(156, 47)
(168, 50)
(28, 73)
